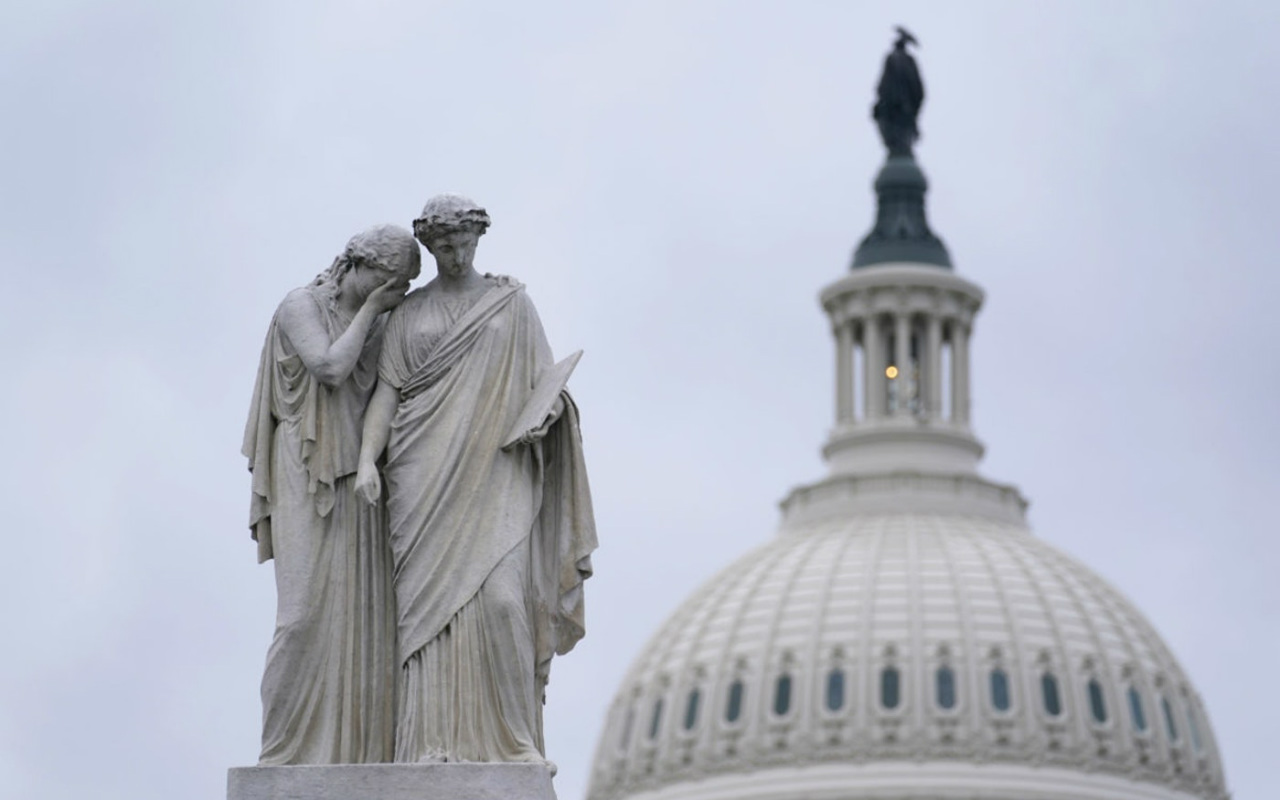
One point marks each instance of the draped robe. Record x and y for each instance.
(490, 546)
(328, 688)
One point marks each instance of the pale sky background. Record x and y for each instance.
(675, 182)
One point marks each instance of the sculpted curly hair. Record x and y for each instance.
(382, 244)
(449, 213)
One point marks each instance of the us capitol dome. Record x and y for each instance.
(905, 635)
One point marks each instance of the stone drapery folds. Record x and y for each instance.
(328, 686)
(490, 546)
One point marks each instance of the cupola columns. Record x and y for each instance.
(904, 383)
(909, 324)
(844, 372)
(933, 367)
(911, 382)
(960, 373)
(873, 359)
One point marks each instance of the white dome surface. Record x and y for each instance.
(814, 626)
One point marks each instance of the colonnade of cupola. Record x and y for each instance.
(902, 439)
(906, 362)
(902, 372)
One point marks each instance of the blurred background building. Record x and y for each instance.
(905, 635)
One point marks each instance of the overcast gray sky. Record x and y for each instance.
(674, 181)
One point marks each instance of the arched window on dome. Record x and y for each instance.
(1000, 699)
(835, 690)
(1049, 693)
(890, 687)
(945, 684)
(691, 709)
(1097, 701)
(1137, 715)
(1193, 727)
(733, 703)
(655, 721)
(1169, 724)
(782, 695)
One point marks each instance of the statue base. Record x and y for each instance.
(392, 782)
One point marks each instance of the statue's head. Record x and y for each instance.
(374, 256)
(449, 213)
(449, 227)
(904, 38)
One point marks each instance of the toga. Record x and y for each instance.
(490, 546)
(328, 688)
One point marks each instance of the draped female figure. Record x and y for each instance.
(491, 543)
(328, 691)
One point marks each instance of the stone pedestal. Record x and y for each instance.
(392, 782)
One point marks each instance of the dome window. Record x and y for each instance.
(1049, 690)
(835, 690)
(999, 689)
(890, 690)
(1169, 724)
(1097, 701)
(946, 685)
(782, 695)
(1136, 712)
(655, 722)
(733, 709)
(1194, 729)
(691, 710)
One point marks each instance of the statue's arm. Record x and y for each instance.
(331, 362)
(377, 430)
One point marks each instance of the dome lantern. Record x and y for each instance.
(902, 329)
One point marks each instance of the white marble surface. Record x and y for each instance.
(392, 782)
(328, 690)
(490, 544)
(453, 567)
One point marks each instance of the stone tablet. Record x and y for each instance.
(550, 384)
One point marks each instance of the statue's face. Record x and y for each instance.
(454, 252)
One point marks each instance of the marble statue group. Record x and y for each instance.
(418, 480)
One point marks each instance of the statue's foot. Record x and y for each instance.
(433, 757)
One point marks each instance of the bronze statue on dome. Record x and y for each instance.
(899, 97)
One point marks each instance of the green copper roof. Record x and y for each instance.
(901, 231)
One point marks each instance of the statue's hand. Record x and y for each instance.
(556, 410)
(387, 296)
(368, 484)
(540, 432)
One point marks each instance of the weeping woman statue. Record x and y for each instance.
(328, 692)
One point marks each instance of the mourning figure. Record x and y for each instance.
(328, 691)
